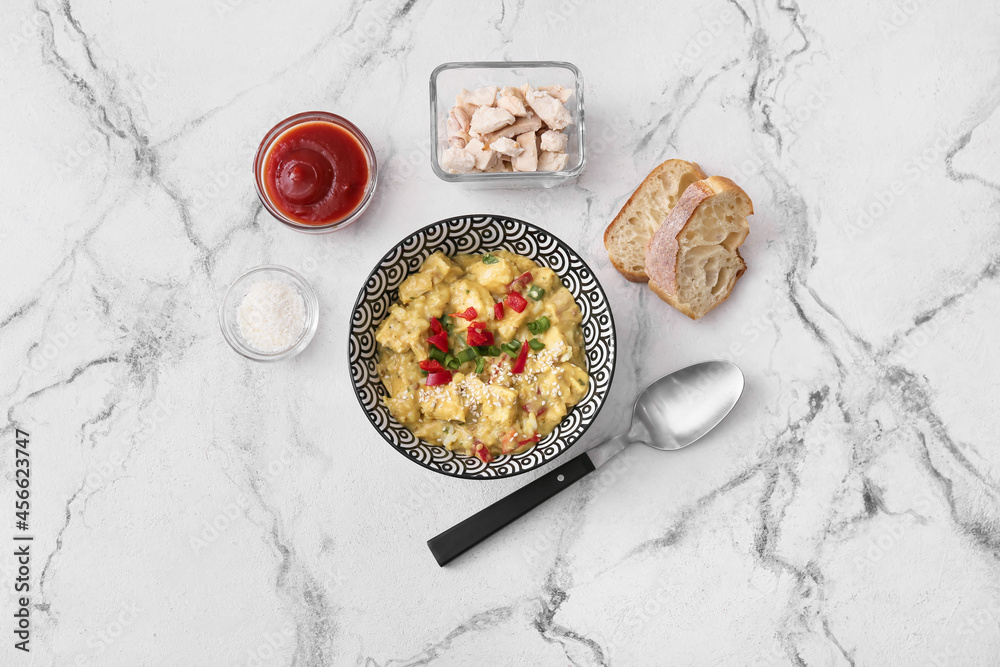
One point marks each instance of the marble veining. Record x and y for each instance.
(193, 508)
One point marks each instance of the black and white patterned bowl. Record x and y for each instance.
(473, 235)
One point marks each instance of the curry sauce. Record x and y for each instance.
(483, 354)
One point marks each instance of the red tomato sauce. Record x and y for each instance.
(316, 173)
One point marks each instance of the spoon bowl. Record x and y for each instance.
(678, 409)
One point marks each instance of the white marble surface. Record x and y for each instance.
(846, 513)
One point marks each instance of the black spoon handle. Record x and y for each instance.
(463, 536)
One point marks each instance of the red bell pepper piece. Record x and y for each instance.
(484, 454)
(467, 314)
(516, 302)
(436, 326)
(478, 335)
(522, 359)
(480, 338)
(520, 281)
(440, 341)
(498, 310)
(431, 365)
(534, 438)
(438, 377)
(507, 442)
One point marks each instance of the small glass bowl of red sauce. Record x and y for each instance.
(315, 172)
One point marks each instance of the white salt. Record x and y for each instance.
(271, 316)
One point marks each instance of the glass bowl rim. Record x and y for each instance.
(312, 315)
(297, 119)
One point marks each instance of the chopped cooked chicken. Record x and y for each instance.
(461, 117)
(457, 161)
(485, 96)
(458, 135)
(512, 101)
(511, 128)
(530, 123)
(489, 119)
(558, 92)
(507, 146)
(549, 161)
(469, 109)
(500, 166)
(528, 159)
(512, 91)
(553, 140)
(549, 109)
(484, 156)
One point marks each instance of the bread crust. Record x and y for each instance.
(620, 219)
(663, 250)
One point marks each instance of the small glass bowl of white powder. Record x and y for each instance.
(269, 313)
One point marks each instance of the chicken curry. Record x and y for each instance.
(483, 354)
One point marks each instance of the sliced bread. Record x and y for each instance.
(693, 259)
(627, 235)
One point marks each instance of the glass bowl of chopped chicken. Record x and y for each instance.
(269, 313)
(507, 124)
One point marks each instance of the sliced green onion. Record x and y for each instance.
(539, 326)
(489, 259)
(536, 292)
(436, 354)
(488, 351)
(512, 348)
(536, 344)
(446, 322)
(424, 373)
(480, 362)
(468, 354)
(451, 362)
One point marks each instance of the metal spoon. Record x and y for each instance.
(672, 412)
